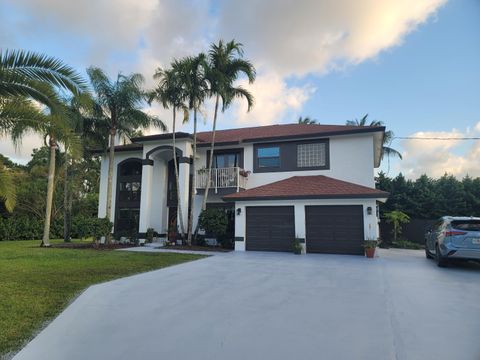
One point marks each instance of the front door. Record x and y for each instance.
(172, 223)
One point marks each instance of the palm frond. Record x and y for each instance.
(40, 67)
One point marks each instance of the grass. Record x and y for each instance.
(37, 283)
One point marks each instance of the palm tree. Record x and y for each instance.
(387, 138)
(170, 93)
(34, 75)
(225, 66)
(55, 128)
(307, 120)
(118, 105)
(192, 76)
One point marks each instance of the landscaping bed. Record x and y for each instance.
(37, 283)
(196, 248)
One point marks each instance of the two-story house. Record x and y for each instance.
(277, 183)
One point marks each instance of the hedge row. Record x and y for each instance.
(27, 228)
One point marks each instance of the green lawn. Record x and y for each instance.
(37, 283)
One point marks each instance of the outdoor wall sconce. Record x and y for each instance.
(369, 210)
(239, 211)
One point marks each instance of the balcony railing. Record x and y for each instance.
(221, 178)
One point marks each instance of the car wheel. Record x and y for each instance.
(427, 253)
(441, 260)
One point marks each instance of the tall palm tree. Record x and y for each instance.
(55, 128)
(170, 93)
(225, 67)
(118, 105)
(27, 75)
(387, 139)
(192, 75)
(307, 120)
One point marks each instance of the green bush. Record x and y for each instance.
(405, 244)
(83, 227)
(214, 222)
(27, 228)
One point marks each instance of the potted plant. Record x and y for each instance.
(297, 247)
(370, 246)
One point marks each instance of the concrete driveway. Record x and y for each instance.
(275, 306)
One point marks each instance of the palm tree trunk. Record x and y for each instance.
(66, 208)
(111, 159)
(177, 182)
(194, 177)
(50, 188)
(210, 161)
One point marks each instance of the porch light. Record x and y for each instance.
(239, 211)
(369, 210)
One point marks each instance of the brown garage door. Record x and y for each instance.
(270, 228)
(334, 229)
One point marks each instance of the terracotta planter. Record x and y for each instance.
(370, 252)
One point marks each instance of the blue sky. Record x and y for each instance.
(413, 64)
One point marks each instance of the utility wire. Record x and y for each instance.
(435, 138)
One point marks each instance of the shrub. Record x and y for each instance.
(150, 234)
(405, 244)
(214, 222)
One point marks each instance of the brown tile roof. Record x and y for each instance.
(126, 147)
(282, 131)
(307, 187)
(262, 133)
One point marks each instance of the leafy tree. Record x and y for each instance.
(397, 218)
(387, 139)
(8, 194)
(118, 109)
(225, 65)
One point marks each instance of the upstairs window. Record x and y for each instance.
(311, 155)
(268, 157)
(226, 160)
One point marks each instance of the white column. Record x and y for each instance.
(240, 224)
(146, 196)
(184, 181)
(300, 231)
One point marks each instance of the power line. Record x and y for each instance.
(435, 138)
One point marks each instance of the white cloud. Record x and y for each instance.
(437, 157)
(311, 36)
(284, 39)
(274, 101)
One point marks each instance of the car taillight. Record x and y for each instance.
(454, 232)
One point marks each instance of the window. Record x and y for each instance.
(268, 157)
(131, 168)
(226, 160)
(311, 155)
(129, 191)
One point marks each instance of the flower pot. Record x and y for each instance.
(370, 252)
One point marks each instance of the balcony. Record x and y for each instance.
(232, 178)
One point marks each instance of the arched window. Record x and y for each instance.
(127, 205)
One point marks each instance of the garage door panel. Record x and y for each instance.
(270, 228)
(334, 229)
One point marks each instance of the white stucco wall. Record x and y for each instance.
(351, 159)
(370, 222)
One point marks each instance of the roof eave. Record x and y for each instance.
(379, 196)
